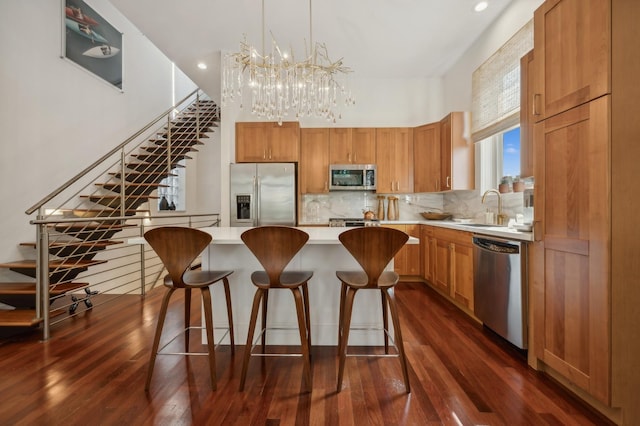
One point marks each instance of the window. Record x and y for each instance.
(172, 190)
(511, 152)
(498, 155)
(496, 110)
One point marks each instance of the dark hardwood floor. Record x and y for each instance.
(92, 371)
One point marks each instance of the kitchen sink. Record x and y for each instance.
(483, 225)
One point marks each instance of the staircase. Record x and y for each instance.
(88, 221)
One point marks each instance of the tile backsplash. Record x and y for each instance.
(318, 208)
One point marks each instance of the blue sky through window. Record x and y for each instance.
(511, 152)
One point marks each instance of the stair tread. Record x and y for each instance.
(108, 226)
(162, 141)
(117, 197)
(30, 288)
(56, 263)
(162, 155)
(18, 318)
(133, 185)
(76, 243)
(89, 212)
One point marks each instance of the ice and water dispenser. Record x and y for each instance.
(242, 213)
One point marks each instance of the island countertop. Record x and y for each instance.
(317, 234)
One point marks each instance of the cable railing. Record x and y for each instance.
(82, 226)
(126, 267)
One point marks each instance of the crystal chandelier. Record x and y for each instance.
(279, 84)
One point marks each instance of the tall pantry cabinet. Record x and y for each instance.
(584, 268)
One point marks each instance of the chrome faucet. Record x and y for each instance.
(501, 218)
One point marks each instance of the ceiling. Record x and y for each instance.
(376, 38)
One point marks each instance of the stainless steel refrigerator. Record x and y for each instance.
(263, 194)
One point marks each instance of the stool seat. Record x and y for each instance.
(197, 279)
(359, 279)
(288, 279)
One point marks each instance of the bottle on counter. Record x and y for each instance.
(380, 207)
(392, 208)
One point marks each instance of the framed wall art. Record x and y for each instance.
(91, 42)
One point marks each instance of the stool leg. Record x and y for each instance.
(227, 294)
(304, 341)
(343, 293)
(346, 323)
(208, 316)
(305, 295)
(265, 303)
(257, 298)
(390, 295)
(187, 317)
(156, 339)
(385, 322)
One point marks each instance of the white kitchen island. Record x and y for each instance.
(323, 254)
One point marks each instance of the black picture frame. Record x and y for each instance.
(91, 42)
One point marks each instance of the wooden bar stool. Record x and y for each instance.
(373, 247)
(274, 247)
(177, 247)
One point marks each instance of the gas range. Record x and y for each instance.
(352, 222)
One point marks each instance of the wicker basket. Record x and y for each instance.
(435, 216)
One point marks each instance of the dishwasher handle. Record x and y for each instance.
(496, 246)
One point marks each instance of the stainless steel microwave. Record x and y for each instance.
(352, 177)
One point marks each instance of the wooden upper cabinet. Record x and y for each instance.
(426, 158)
(457, 162)
(260, 142)
(572, 40)
(527, 91)
(394, 153)
(251, 141)
(352, 146)
(314, 161)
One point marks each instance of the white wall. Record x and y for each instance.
(57, 118)
(457, 80)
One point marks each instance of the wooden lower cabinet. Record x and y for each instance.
(447, 257)
(407, 262)
(571, 266)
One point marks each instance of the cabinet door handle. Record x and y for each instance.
(355, 157)
(536, 98)
(264, 154)
(348, 157)
(269, 153)
(537, 230)
(448, 181)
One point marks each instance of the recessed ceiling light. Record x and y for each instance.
(481, 6)
(202, 66)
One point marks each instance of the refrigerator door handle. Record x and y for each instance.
(256, 185)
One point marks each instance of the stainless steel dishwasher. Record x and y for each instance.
(500, 287)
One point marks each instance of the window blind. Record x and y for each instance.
(495, 87)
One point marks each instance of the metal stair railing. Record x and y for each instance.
(127, 268)
(75, 222)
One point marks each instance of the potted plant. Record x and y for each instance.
(505, 183)
(518, 184)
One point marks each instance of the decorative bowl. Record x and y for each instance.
(435, 216)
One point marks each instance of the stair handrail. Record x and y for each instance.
(90, 168)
